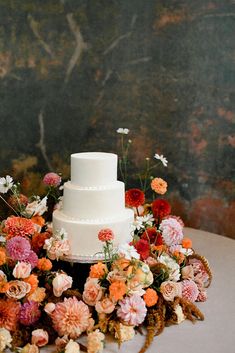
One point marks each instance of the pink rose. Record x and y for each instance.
(49, 308)
(40, 337)
(61, 283)
(170, 290)
(22, 270)
(187, 272)
(106, 306)
(92, 292)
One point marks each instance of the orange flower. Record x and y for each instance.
(38, 240)
(117, 290)
(121, 263)
(150, 297)
(159, 186)
(186, 243)
(33, 281)
(3, 257)
(39, 220)
(44, 264)
(179, 256)
(98, 270)
(4, 286)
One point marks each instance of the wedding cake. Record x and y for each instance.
(93, 200)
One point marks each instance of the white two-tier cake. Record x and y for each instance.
(93, 200)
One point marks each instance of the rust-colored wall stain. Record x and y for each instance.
(73, 72)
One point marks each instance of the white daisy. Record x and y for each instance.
(6, 184)
(161, 158)
(123, 131)
(128, 251)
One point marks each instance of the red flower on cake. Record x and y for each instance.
(152, 235)
(143, 248)
(134, 198)
(160, 208)
(105, 234)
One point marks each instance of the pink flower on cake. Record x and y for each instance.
(105, 235)
(170, 290)
(9, 312)
(22, 270)
(95, 341)
(189, 290)
(61, 283)
(29, 313)
(132, 310)
(71, 317)
(106, 305)
(40, 337)
(18, 226)
(93, 292)
(52, 179)
(172, 231)
(18, 248)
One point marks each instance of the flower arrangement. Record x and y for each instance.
(152, 282)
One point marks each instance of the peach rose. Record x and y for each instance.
(38, 295)
(135, 287)
(115, 275)
(49, 308)
(61, 283)
(92, 292)
(22, 270)
(121, 264)
(39, 337)
(106, 306)
(30, 348)
(72, 347)
(170, 290)
(18, 289)
(187, 272)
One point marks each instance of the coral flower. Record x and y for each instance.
(117, 290)
(159, 186)
(134, 198)
(52, 179)
(132, 310)
(160, 208)
(71, 317)
(105, 235)
(18, 226)
(18, 248)
(150, 297)
(44, 264)
(29, 313)
(153, 236)
(98, 270)
(9, 314)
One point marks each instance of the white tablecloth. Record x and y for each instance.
(217, 333)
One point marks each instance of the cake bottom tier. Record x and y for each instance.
(83, 234)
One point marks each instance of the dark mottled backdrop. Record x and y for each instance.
(72, 72)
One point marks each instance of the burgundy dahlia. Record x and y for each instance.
(134, 198)
(160, 208)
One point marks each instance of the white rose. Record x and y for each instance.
(61, 283)
(72, 347)
(5, 339)
(22, 270)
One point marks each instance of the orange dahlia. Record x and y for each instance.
(18, 226)
(159, 186)
(9, 314)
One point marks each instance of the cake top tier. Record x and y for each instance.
(93, 168)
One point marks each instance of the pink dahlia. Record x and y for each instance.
(172, 231)
(29, 313)
(9, 314)
(105, 235)
(32, 259)
(189, 290)
(71, 317)
(18, 248)
(19, 226)
(132, 310)
(52, 179)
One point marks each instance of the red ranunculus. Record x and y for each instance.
(143, 248)
(160, 208)
(134, 198)
(153, 236)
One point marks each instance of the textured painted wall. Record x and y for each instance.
(72, 72)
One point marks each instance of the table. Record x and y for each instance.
(217, 333)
